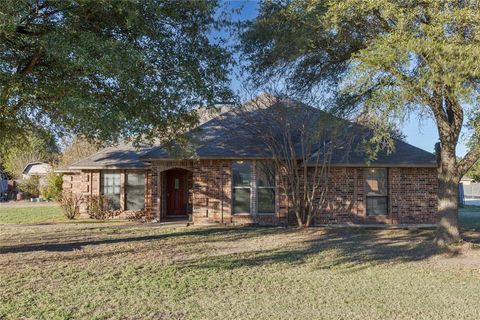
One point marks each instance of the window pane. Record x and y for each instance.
(135, 179)
(265, 173)
(113, 201)
(241, 171)
(111, 189)
(241, 200)
(266, 200)
(135, 191)
(377, 206)
(376, 182)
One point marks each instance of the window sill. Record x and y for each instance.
(242, 214)
(266, 214)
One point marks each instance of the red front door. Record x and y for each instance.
(176, 193)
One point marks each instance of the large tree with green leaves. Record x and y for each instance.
(108, 69)
(386, 59)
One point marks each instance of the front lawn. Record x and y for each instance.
(32, 214)
(150, 272)
(39, 214)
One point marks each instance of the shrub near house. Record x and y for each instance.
(53, 186)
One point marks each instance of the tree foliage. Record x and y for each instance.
(108, 69)
(76, 148)
(30, 187)
(38, 145)
(474, 172)
(53, 186)
(385, 59)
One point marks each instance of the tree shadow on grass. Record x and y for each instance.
(346, 248)
(322, 248)
(201, 235)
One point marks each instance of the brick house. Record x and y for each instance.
(222, 181)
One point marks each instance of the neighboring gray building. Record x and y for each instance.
(39, 169)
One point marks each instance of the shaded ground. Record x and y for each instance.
(128, 272)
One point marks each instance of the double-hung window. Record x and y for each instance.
(135, 191)
(376, 188)
(265, 173)
(111, 189)
(241, 186)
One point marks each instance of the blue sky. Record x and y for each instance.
(421, 134)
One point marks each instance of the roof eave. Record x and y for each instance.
(109, 167)
(382, 165)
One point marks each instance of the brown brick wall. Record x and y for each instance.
(209, 188)
(211, 193)
(88, 183)
(412, 194)
(84, 184)
(412, 197)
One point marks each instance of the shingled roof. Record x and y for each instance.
(225, 137)
(122, 156)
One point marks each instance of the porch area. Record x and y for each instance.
(197, 191)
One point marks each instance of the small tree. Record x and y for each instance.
(70, 204)
(53, 187)
(100, 207)
(30, 187)
(299, 140)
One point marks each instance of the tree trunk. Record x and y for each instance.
(447, 231)
(298, 215)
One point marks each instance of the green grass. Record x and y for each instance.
(50, 214)
(32, 215)
(124, 272)
(469, 216)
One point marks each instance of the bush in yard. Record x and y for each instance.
(101, 208)
(71, 204)
(137, 215)
(30, 187)
(53, 187)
